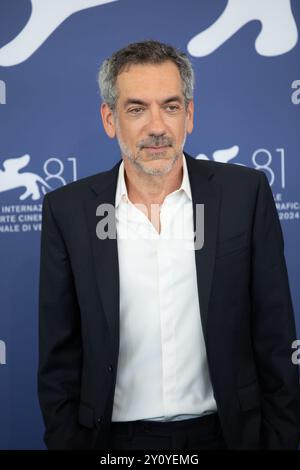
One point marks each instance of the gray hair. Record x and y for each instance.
(145, 52)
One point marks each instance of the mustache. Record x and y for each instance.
(156, 142)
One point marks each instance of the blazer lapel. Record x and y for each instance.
(206, 192)
(105, 251)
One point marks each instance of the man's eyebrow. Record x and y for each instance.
(143, 103)
(173, 98)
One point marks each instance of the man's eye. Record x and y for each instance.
(135, 110)
(172, 107)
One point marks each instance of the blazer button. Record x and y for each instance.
(99, 419)
(110, 368)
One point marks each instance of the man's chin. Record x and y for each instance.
(156, 166)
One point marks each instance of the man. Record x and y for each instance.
(145, 343)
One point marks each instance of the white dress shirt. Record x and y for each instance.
(162, 369)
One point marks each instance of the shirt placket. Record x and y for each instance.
(168, 338)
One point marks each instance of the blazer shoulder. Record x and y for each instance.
(223, 170)
(231, 169)
(239, 177)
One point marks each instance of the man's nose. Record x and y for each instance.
(156, 124)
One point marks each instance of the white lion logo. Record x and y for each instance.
(222, 155)
(10, 178)
(278, 33)
(46, 16)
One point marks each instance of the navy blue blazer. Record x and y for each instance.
(245, 304)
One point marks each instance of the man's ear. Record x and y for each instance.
(190, 116)
(108, 120)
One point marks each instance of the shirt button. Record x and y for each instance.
(110, 368)
(99, 419)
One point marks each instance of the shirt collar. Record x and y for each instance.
(121, 191)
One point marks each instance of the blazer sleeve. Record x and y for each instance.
(273, 326)
(60, 346)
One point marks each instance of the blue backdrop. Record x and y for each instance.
(246, 57)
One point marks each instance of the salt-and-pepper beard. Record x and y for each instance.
(134, 159)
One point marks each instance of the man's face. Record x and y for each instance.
(150, 120)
